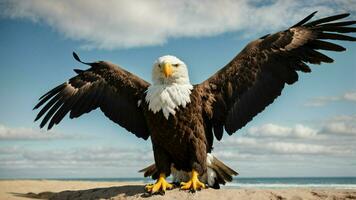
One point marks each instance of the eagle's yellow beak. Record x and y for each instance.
(167, 69)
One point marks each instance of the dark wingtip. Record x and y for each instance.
(78, 71)
(36, 106)
(76, 57)
(313, 13)
(327, 19)
(37, 118)
(304, 20)
(346, 15)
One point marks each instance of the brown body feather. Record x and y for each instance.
(181, 139)
(227, 100)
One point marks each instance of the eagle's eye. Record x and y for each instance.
(175, 65)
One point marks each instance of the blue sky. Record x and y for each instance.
(309, 131)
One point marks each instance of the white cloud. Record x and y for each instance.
(270, 140)
(121, 24)
(273, 130)
(298, 148)
(63, 161)
(341, 125)
(240, 141)
(90, 157)
(9, 133)
(295, 147)
(234, 148)
(350, 96)
(322, 101)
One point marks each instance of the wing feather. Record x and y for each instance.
(258, 74)
(105, 86)
(335, 36)
(319, 44)
(326, 19)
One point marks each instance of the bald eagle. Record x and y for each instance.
(183, 119)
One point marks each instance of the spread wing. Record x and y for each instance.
(104, 85)
(257, 75)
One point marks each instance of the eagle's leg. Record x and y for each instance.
(194, 184)
(160, 186)
(163, 164)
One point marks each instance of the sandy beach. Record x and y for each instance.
(50, 189)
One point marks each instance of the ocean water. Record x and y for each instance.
(299, 182)
(305, 182)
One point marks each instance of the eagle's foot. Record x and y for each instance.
(160, 186)
(194, 184)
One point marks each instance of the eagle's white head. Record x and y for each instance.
(171, 87)
(169, 70)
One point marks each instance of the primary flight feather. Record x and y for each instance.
(182, 119)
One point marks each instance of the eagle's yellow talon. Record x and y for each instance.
(149, 187)
(194, 184)
(160, 186)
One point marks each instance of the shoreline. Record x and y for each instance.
(62, 189)
(239, 183)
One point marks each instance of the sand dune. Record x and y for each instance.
(61, 190)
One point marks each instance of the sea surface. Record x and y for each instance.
(305, 182)
(293, 182)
